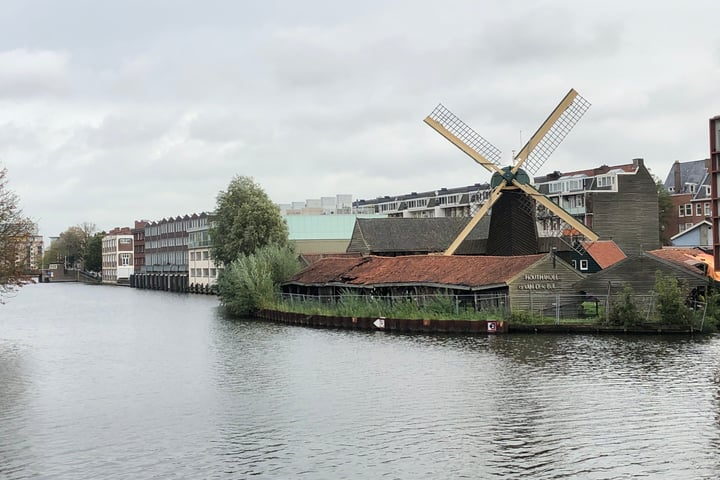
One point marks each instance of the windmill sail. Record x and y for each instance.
(513, 224)
(552, 132)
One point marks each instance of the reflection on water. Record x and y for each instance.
(100, 382)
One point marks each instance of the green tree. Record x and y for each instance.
(93, 253)
(252, 281)
(15, 230)
(665, 211)
(244, 220)
(71, 245)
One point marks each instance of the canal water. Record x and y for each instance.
(117, 383)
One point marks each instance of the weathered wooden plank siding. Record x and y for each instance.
(542, 282)
(629, 216)
(639, 272)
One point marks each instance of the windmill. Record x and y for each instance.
(513, 229)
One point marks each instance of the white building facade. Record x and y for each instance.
(203, 272)
(117, 256)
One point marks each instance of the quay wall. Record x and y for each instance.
(389, 324)
(168, 282)
(463, 326)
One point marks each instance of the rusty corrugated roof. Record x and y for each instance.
(604, 252)
(691, 258)
(310, 258)
(469, 271)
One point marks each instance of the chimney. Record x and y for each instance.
(678, 177)
(638, 162)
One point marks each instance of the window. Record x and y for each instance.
(574, 185)
(685, 210)
(606, 181)
(708, 212)
(205, 272)
(205, 255)
(125, 259)
(213, 273)
(125, 241)
(583, 264)
(574, 264)
(698, 209)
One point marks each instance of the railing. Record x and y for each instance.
(530, 308)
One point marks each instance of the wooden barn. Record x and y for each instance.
(519, 280)
(639, 272)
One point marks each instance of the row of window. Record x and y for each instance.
(448, 199)
(685, 226)
(110, 244)
(701, 209)
(123, 259)
(566, 186)
(419, 203)
(167, 242)
(691, 188)
(583, 264)
(203, 255)
(606, 181)
(384, 207)
(199, 239)
(163, 258)
(203, 272)
(170, 227)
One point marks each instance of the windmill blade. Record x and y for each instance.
(465, 138)
(557, 210)
(551, 133)
(494, 195)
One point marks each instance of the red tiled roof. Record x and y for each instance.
(471, 271)
(604, 252)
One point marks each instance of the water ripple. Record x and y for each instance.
(184, 393)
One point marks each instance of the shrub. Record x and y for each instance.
(711, 312)
(670, 300)
(252, 282)
(623, 310)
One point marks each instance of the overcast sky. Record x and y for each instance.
(117, 111)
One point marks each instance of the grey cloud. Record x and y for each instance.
(141, 126)
(30, 73)
(315, 98)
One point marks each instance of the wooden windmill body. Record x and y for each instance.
(513, 228)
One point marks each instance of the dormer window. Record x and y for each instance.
(606, 181)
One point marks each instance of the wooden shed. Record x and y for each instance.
(639, 272)
(522, 280)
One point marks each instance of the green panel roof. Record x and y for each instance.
(322, 227)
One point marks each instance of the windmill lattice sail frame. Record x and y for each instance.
(531, 157)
